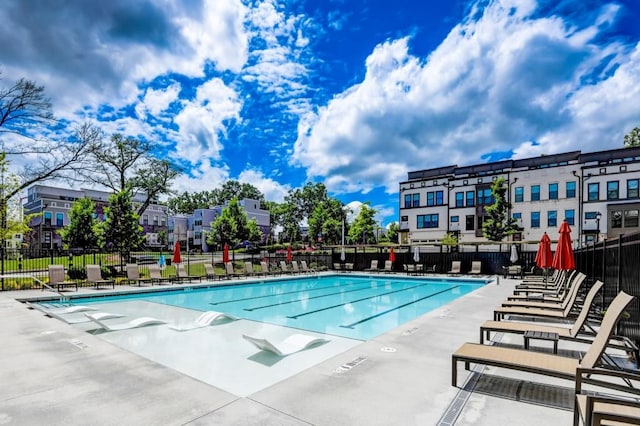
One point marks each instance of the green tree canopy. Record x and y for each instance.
(632, 139)
(327, 219)
(81, 231)
(498, 223)
(121, 230)
(233, 226)
(362, 229)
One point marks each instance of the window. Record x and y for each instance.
(616, 219)
(594, 192)
(404, 219)
(430, 199)
(59, 220)
(455, 219)
(631, 218)
(613, 190)
(632, 188)
(552, 218)
(571, 189)
(459, 199)
(553, 191)
(590, 215)
(470, 223)
(439, 198)
(535, 219)
(535, 192)
(470, 198)
(407, 201)
(519, 194)
(484, 196)
(47, 218)
(145, 219)
(416, 200)
(570, 216)
(427, 221)
(517, 216)
(155, 220)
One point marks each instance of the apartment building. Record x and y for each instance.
(597, 193)
(191, 229)
(52, 204)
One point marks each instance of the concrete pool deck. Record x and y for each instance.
(55, 373)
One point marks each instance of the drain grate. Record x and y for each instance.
(388, 349)
(349, 365)
(78, 343)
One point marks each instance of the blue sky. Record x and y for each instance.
(351, 93)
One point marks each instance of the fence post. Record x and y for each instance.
(619, 277)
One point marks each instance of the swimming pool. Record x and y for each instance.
(351, 306)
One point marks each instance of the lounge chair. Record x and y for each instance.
(211, 273)
(94, 276)
(536, 309)
(182, 275)
(557, 292)
(248, 269)
(230, 271)
(295, 268)
(388, 266)
(284, 268)
(614, 402)
(69, 318)
(133, 275)
(476, 267)
(540, 362)
(204, 320)
(456, 266)
(134, 323)
(265, 268)
(156, 275)
(559, 304)
(57, 278)
(373, 267)
(305, 268)
(293, 343)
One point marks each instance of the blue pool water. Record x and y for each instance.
(347, 306)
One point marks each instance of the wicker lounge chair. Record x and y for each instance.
(540, 362)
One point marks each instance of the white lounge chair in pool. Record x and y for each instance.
(204, 320)
(292, 344)
(61, 310)
(134, 323)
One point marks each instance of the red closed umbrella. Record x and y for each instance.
(289, 254)
(177, 258)
(544, 256)
(225, 253)
(563, 258)
(392, 255)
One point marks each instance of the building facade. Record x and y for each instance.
(52, 205)
(191, 229)
(597, 193)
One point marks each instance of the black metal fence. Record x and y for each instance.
(616, 262)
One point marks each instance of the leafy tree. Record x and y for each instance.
(126, 164)
(12, 221)
(289, 219)
(632, 139)
(327, 219)
(81, 231)
(122, 230)
(392, 232)
(498, 223)
(233, 189)
(233, 226)
(187, 202)
(363, 227)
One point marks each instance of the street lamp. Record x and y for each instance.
(598, 216)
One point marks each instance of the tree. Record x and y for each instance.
(326, 220)
(13, 222)
(23, 107)
(498, 223)
(363, 227)
(392, 232)
(81, 231)
(121, 230)
(233, 226)
(632, 139)
(126, 164)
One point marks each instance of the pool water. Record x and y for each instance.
(347, 306)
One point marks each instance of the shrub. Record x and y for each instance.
(76, 273)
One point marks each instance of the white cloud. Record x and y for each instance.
(201, 121)
(272, 190)
(157, 101)
(495, 84)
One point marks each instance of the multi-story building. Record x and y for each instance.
(52, 205)
(597, 193)
(191, 229)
